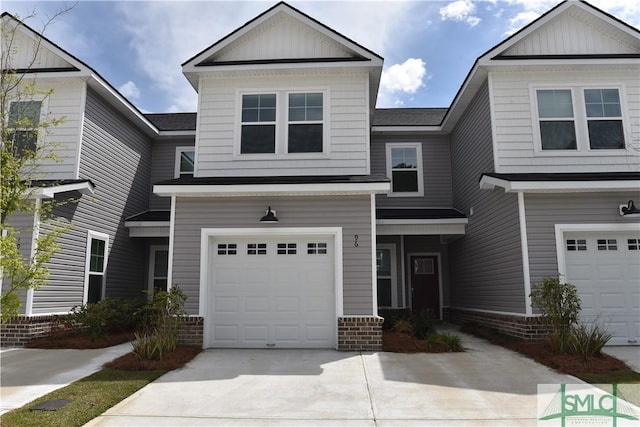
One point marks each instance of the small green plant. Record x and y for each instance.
(423, 322)
(559, 306)
(392, 315)
(454, 342)
(432, 340)
(403, 326)
(105, 316)
(588, 340)
(160, 321)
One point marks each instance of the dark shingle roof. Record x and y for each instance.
(408, 116)
(173, 121)
(151, 216)
(566, 176)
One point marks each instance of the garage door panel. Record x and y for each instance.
(255, 333)
(256, 304)
(287, 304)
(606, 271)
(226, 304)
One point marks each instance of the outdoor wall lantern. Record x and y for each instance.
(629, 210)
(270, 216)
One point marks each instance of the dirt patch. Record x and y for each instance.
(80, 341)
(540, 351)
(174, 360)
(398, 342)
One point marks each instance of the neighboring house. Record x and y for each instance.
(290, 210)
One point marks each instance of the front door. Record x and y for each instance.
(425, 283)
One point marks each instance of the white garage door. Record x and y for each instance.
(272, 292)
(605, 267)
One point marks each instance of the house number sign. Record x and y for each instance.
(355, 240)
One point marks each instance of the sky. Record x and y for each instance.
(428, 46)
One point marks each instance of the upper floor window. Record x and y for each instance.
(580, 119)
(404, 167)
(282, 123)
(258, 133)
(305, 123)
(185, 161)
(24, 119)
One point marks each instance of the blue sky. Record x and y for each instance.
(428, 46)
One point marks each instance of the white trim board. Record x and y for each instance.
(489, 183)
(343, 188)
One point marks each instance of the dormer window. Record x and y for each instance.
(258, 124)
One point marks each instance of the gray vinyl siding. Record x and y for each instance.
(436, 164)
(352, 213)
(486, 264)
(116, 158)
(163, 163)
(544, 211)
(22, 223)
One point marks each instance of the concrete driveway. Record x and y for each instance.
(485, 386)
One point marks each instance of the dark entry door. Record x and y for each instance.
(425, 286)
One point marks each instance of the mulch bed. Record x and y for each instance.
(540, 351)
(80, 341)
(174, 360)
(398, 342)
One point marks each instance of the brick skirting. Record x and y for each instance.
(360, 333)
(23, 329)
(527, 327)
(191, 331)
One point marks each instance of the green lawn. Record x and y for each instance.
(90, 397)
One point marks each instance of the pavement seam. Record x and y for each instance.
(366, 380)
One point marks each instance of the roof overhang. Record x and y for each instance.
(49, 192)
(314, 189)
(568, 186)
(147, 228)
(407, 129)
(444, 226)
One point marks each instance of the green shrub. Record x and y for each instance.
(403, 326)
(160, 321)
(454, 342)
(559, 306)
(423, 322)
(588, 340)
(105, 316)
(392, 315)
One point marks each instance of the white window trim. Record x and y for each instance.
(179, 151)
(418, 147)
(87, 260)
(152, 259)
(583, 147)
(44, 112)
(281, 123)
(394, 274)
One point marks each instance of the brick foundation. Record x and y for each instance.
(191, 331)
(23, 329)
(360, 333)
(526, 327)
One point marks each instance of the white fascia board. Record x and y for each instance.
(407, 129)
(175, 133)
(271, 189)
(146, 223)
(284, 66)
(489, 183)
(442, 221)
(420, 229)
(50, 192)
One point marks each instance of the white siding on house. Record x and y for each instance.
(572, 33)
(347, 121)
(28, 53)
(516, 124)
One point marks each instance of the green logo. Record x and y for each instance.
(584, 405)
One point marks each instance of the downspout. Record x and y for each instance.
(524, 244)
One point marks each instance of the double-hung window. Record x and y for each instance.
(404, 168)
(580, 119)
(95, 266)
(185, 161)
(258, 134)
(305, 123)
(24, 119)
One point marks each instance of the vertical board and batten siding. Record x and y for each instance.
(22, 223)
(282, 37)
(514, 113)
(544, 211)
(352, 213)
(486, 263)
(163, 164)
(116, 158)
(27, 52)
(436, 165)
(348, 131)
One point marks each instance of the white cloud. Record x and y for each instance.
(401, 79)
(130, 90)
(460, 11)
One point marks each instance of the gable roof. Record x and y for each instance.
(173, 121)
(78, 68)
(507, 52)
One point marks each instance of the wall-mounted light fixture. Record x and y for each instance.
(269, 217)
(629, 210)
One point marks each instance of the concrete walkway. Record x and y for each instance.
(27, 374)
(485, 386)
(629, 354)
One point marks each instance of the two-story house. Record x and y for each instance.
(290, 210)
